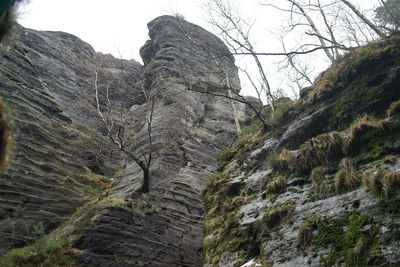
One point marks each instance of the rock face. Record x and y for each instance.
(165, 227)
(55, 168)
(322, 188)
(45, 80)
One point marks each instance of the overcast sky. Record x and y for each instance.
(119, 26)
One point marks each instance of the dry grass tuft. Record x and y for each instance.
(319, 150)
(305, 236)
(393, 109)
(359, 249)
(386, 182)
(276, 215)
(390, 159)
(276, 185)
(319, 182)
(373, 181)
(346, 177)
(391, 183)
(360, 127)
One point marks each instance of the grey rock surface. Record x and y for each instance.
(191, 127)
(46, 80)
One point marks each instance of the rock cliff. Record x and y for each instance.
(322, 187)
(53, 168)
(60, 175)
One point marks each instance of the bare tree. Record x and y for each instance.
(236, 33)
(114, 119)
(232, 95)
(364, 19)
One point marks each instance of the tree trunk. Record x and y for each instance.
(363, 18)
(146, 180)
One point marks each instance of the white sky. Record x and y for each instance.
(119, 26)
(116, 27)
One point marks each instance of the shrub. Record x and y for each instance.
(276, 185)
(346, 177)
(281, 112)
(47, 251)
(393, 109)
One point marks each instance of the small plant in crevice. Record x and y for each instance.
(276, 215)
(346, 177)
(394, 108)
(276, 185)
(38, 230)
(304, 236)
(320, 183)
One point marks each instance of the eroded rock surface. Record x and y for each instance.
(46, 83)
(165, 228)
(321, 189)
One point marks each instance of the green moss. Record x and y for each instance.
(350, 239)
(390, 206)
(47, 252)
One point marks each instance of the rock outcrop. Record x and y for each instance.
(46, 80)
(54, 170)
(321, 188)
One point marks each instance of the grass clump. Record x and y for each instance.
(383, 182)
(320, 150)
(394, 108)
(361, 130)
(346, 177)
(276, 185)
(320, 184)
(48, 251)
(276, 215)
(304, 236)
(390, 159)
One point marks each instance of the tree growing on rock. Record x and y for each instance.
(119, 124)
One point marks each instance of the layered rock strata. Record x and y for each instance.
(46, 82)
(185, 68)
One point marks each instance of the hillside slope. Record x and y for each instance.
(322, 187)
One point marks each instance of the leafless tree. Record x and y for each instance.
(231, 94)
(236, 34)
(115, 119)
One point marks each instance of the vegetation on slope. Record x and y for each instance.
(355, 144)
